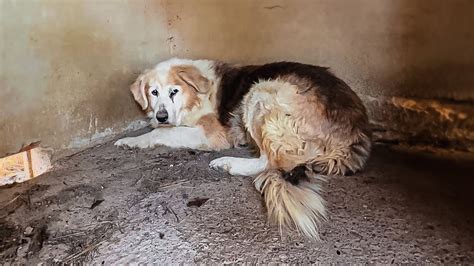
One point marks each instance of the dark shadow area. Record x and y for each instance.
(435, 47)
(429, 178)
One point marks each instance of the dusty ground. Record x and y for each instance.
(113, 205)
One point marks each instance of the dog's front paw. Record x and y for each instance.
(132, 143)
(223, 163)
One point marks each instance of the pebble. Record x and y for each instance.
(28, 231)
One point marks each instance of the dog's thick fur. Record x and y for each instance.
(302, 120)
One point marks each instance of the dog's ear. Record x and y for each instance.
(139, 93)
(193, 77)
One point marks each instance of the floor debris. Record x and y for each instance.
(116, 206)
(197, 202)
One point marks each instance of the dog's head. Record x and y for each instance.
(172, 89)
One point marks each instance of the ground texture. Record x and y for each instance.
(111, 205)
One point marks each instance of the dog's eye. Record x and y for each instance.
(173, 93)
(154, 92)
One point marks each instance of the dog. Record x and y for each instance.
(303, 121)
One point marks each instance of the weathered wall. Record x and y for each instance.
(65, 65)
(404, 48)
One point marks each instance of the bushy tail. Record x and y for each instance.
(292, 200)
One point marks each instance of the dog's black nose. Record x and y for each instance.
(162, 116)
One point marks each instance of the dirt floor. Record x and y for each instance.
(110, 205)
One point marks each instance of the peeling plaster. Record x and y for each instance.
(427, 106)
(106, 134)
(435, 122)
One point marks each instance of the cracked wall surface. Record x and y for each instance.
(65, 66)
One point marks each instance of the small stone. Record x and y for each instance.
(28, 231)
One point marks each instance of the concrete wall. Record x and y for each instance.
(66, 65)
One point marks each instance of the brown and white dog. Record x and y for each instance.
(303, 121)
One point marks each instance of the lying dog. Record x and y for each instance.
(302, 120)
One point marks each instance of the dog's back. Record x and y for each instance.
(307, 122)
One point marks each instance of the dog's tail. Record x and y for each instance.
(292, 199)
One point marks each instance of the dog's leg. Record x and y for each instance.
(174, 137)
(240, 166)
